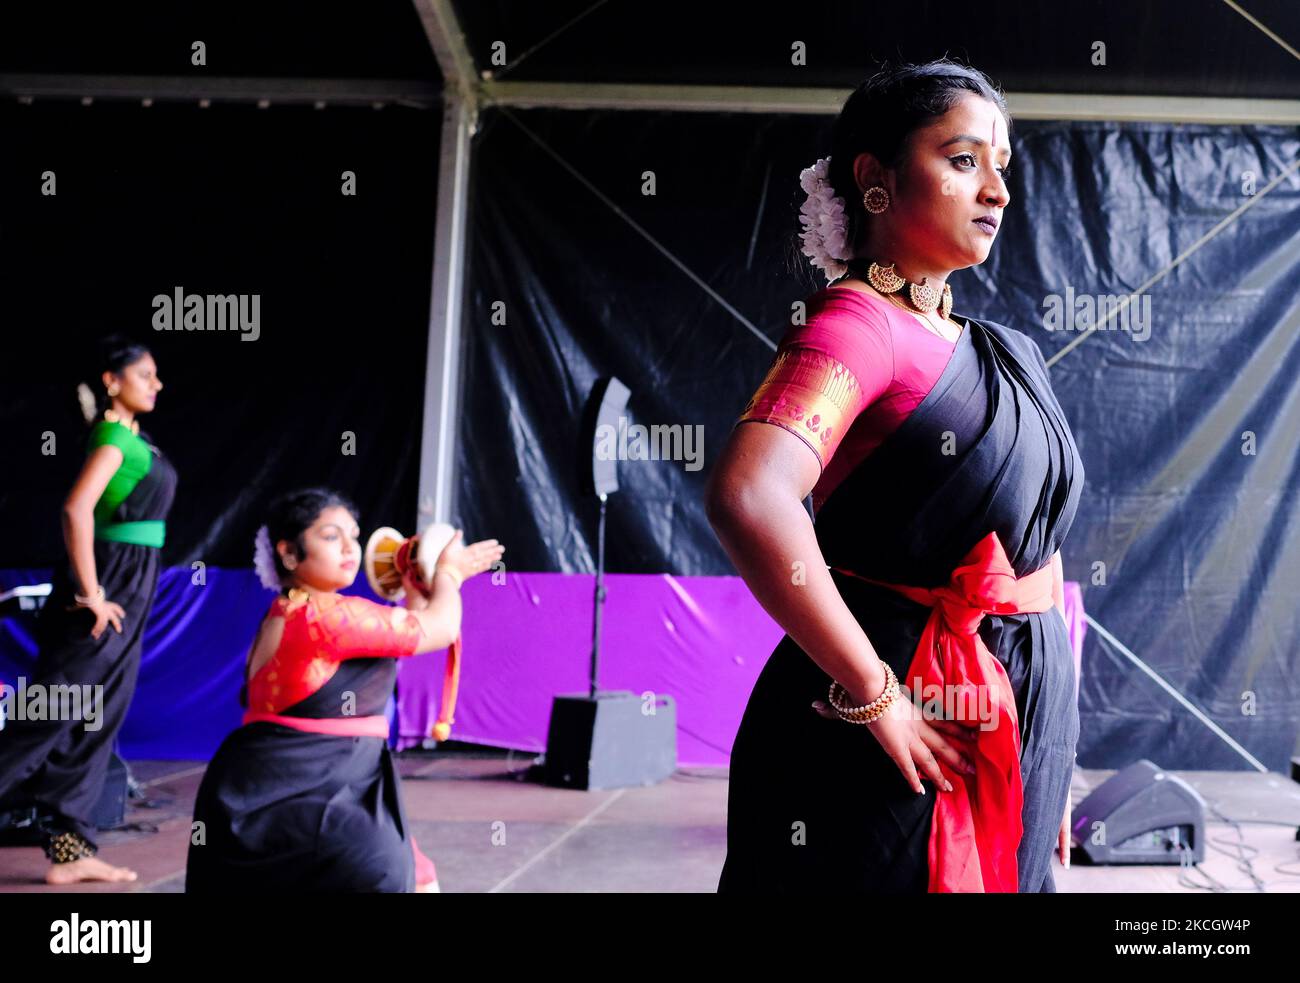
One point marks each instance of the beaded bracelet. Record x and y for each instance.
(868, 712)
(86, 602)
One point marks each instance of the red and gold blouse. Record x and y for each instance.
(847, 378)
(319, 635)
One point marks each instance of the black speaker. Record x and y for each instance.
(614, 739)
(110, 811)
(22, 824)
(606, 403)
(1141, 815)
(607, 739)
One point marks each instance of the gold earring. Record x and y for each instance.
(113, 390)
(876, 199)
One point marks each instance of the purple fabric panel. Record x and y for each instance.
(192, 664)
(1076, 625)
(187, 698)
(700, 640)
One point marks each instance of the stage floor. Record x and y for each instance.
(488, 829)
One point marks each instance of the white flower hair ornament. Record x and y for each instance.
(87, 400)
(825, 223)
(264, 561)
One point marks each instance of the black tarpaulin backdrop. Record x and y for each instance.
(224, 200)
(1187, 547)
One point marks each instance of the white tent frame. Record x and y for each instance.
(467, 92)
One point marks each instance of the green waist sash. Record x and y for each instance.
(146, 532)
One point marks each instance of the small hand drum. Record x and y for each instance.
(389, 555)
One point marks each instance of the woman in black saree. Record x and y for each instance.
(90, 632)
(944, 479)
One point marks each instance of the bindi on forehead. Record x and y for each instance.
(994, 118)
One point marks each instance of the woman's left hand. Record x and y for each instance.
(1063, 837)
(471, 560)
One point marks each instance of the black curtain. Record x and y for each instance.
(223, 200)
(1188, 420)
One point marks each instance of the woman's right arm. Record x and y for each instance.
(755, 505)
(79, 531)
(439, 615)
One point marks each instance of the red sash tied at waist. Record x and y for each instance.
(376, 726)
(976, 827)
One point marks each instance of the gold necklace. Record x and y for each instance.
(926, 321)
(933, 329)
(112, 416)
(923, 297)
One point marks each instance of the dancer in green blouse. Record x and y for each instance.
(91, 630)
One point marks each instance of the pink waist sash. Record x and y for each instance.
(334, 726)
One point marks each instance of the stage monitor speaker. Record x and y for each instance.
(21, 825)
(1140, 815)
(110, 811)
(28, 597)
(606, 404)
(614, 739)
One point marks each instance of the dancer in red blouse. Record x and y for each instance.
(304, 795)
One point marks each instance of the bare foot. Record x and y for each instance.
(87, 869)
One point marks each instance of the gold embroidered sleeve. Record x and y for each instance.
(809, 393)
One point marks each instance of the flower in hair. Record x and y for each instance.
(264, 560)
(825, 223)
(87, 400)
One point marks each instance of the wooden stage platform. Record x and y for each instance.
(489, 829)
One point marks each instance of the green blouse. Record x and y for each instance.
(137, 459)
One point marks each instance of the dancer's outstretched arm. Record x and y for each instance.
(440, 614)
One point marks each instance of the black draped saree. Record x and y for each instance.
(304, 796)
(984, 465)
(59, 766)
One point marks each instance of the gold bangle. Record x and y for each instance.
(868, 712)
